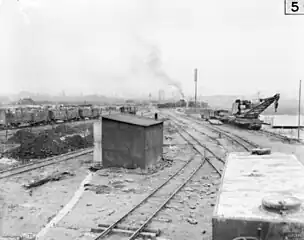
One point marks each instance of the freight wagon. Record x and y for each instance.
(128, 109)
(260, 198)
(207, 114)
(15, 117)
(85, 113)
(72, 113)
(96, 112)
(41, 116)
(58, 114)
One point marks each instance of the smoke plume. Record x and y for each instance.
(154, 64)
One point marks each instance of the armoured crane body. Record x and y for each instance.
(246, 114)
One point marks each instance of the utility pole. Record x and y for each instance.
(195, 80)
(259, 93)
(299, 117)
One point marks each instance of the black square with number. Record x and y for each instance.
(293, 7)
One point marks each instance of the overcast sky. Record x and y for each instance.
(105, 46)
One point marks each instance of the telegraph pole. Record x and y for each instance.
(299, 117)
(195, 80)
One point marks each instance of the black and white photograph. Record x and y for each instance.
(151, 120)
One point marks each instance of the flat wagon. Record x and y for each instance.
(260, 198)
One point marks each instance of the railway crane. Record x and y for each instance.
(246, 114)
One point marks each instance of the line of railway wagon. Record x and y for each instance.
(45, 115)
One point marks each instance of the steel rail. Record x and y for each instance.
(106, 231)
(39, 164)
(110, 228)
(230, 135)
(202, 145)
(237, 136)
(136, 233)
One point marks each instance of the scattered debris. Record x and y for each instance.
(98, 189)
(129, 190)
(192, 221)
(129, 180)
(189, 189)
(254, 175)
(103, 174)
(110, 212)
(168, 138)
(53, 177)
(96, 167)
(173, 207)
(262, 151)
(163, 220)
(117, 183)
(27, 236)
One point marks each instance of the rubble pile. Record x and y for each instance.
(21, 136)
(64, 129)
(48, 143)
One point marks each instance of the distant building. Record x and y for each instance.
(161, 95)
(198, 104)
(26, 101)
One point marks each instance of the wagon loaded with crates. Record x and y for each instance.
(261, 198)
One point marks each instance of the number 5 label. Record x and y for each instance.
(294, 7)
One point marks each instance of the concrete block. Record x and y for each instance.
(247, 183)
(97, 129)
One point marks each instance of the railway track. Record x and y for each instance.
(162, 194)
(272, 134)
(42, 163)
(205, 147)
(277, 135)
(244, 143)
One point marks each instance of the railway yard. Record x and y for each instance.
(70, 197)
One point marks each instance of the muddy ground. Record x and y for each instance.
(112, 192)
(49, 142)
